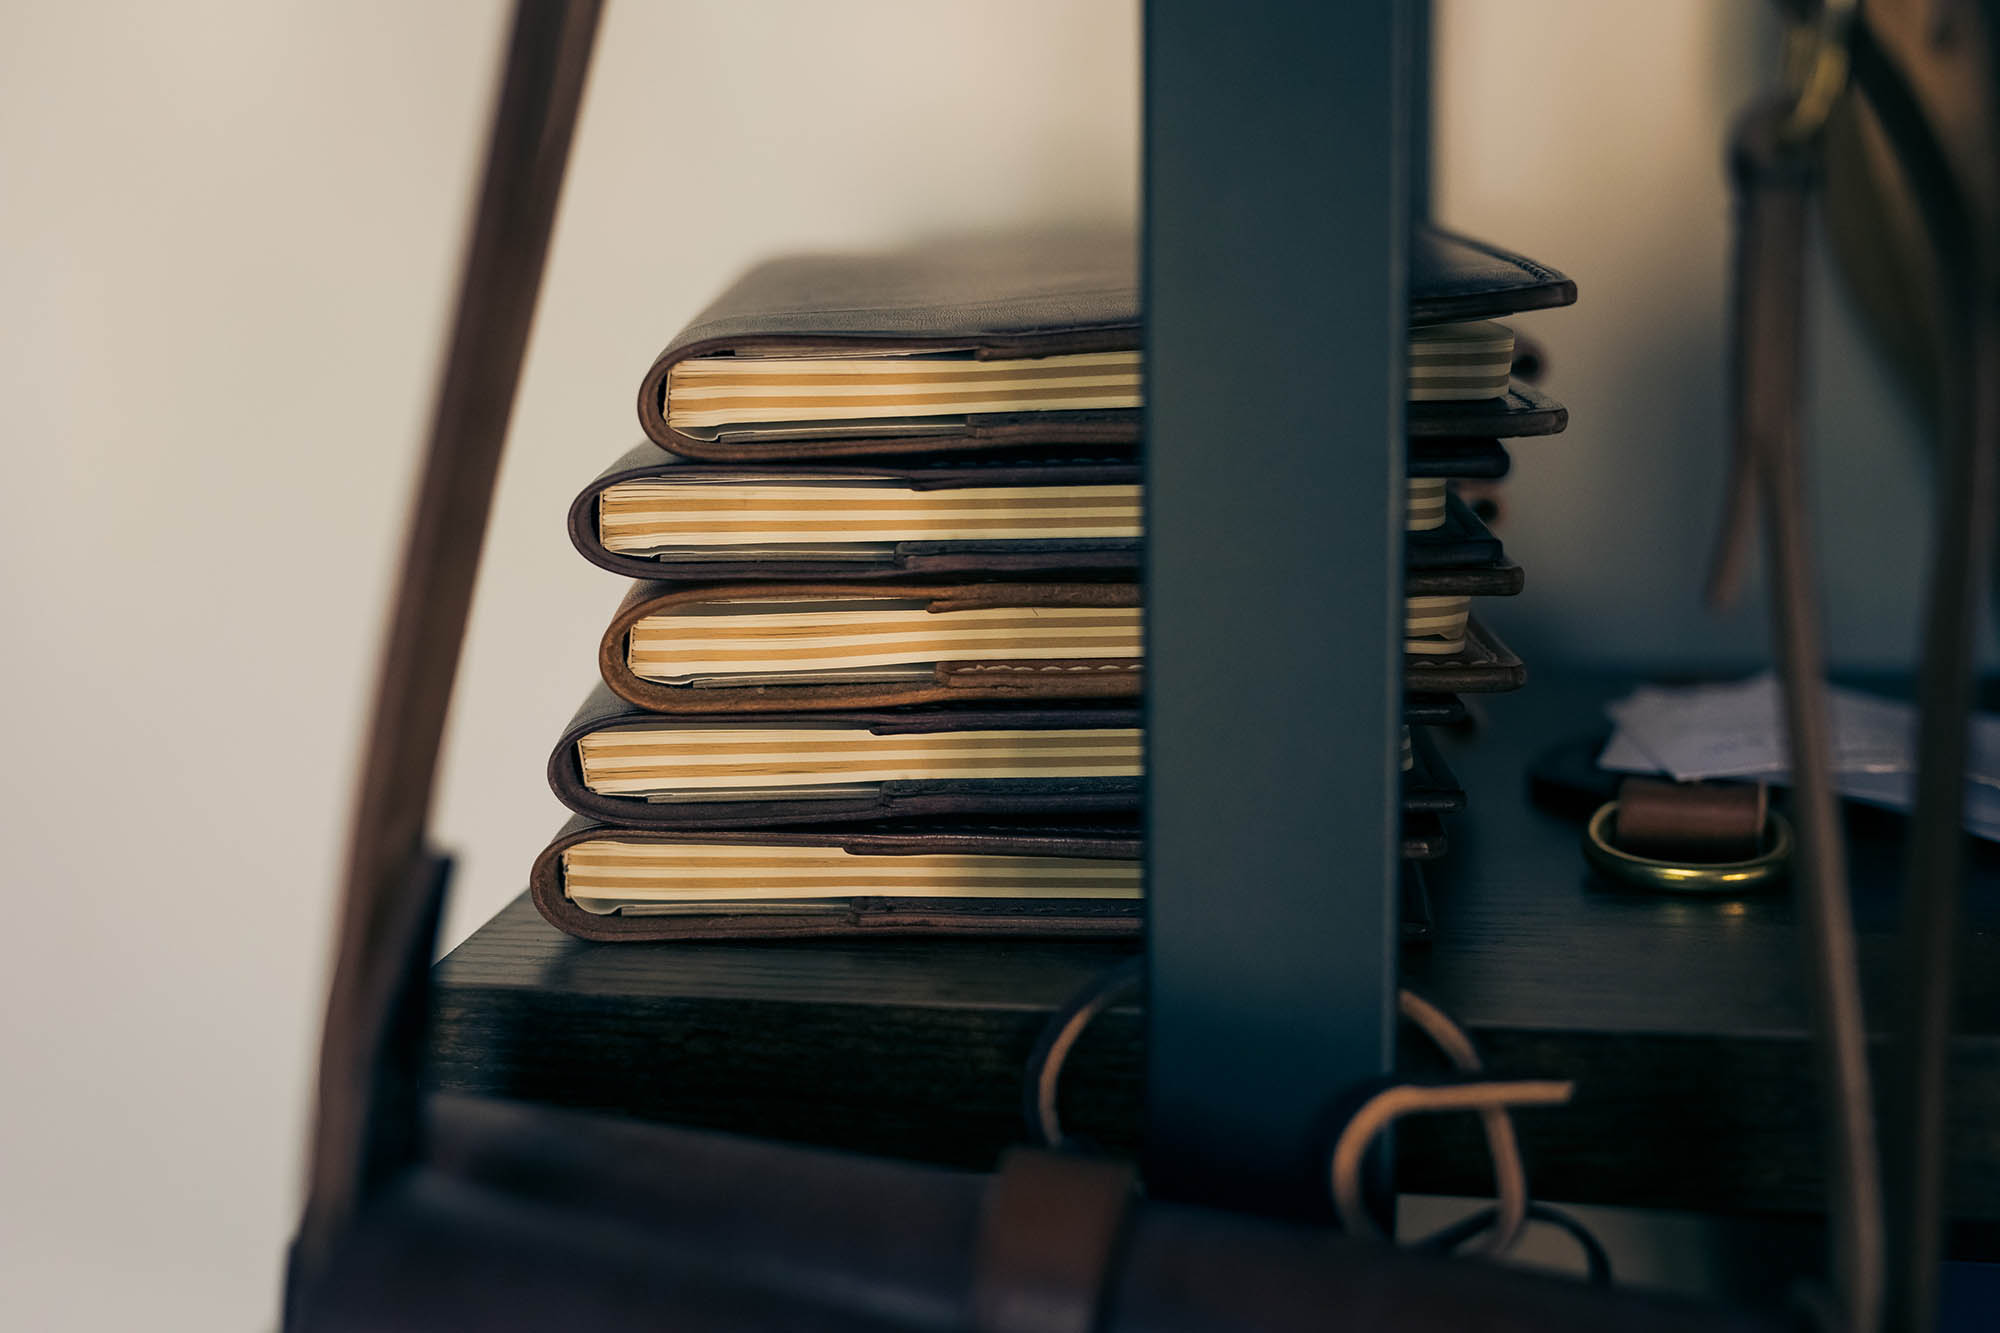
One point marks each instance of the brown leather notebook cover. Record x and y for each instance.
(1485, 665)
(1021, 797)
(1462, 546)
(1423, 839)
(860, 915)
(904, 559)
(1428, 784)
(967, 682)
(1524, 411)
(1007, 298)
(1462, 542)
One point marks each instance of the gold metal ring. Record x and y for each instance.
(1763, 871)
(1816, 69)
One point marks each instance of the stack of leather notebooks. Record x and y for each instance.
(881, 666)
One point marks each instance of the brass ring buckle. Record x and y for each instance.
(1816, 69)
(1763, 871)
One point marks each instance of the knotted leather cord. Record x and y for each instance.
(1490, 1100)
(1392, 1103)
(1510, 1176)
(1502, 1226)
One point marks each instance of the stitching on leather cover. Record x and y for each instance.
(1005, 666)
(1504, 256)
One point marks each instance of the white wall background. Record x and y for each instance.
(1601, 150)
(228, 232)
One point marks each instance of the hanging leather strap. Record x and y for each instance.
(1932, 87)
(389, 906)
(1774, 179)
(1048, 1238)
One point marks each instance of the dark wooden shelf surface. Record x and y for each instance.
(1682, 1020)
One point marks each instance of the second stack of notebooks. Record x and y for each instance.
(881, 667)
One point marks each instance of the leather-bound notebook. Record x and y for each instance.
(1484, 665)
(611, 882)
(1520, 412)
(652, 515)
(623, 765)
(997, 342)
(714, 648)
(605, 882)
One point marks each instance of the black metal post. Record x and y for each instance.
(1277, 203)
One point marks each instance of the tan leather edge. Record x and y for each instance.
(1487, 666)
(646, 599)
(545, 890)
(586, 536)
(652, 400)
(1502, 580)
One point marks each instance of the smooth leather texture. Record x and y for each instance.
(1486, 666)
(1428, 785)
(949, 472)
(1454, 277)
(1022, 295)
(960, 682)
(1691, 821)
(1463, 542)
(533, 1217)
(605, 711)
(1522, 412)
(1111, 840)
(1107, 838)
(1049, 1229)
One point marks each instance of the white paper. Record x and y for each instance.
(1736, 730)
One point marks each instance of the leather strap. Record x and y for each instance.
(1691, 821)
(1048, 1235)
(384, 922)
(1932, 88)
(1774, 180)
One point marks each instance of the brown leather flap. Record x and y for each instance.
(954, 682)
(861, 915)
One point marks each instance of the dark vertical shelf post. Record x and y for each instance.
(1277, 200)
(1422, 98)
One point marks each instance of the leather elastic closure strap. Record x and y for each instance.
(1048, 1237)
(1691, 821)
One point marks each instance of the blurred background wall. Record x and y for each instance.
(1600, 149)
(228, 234)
